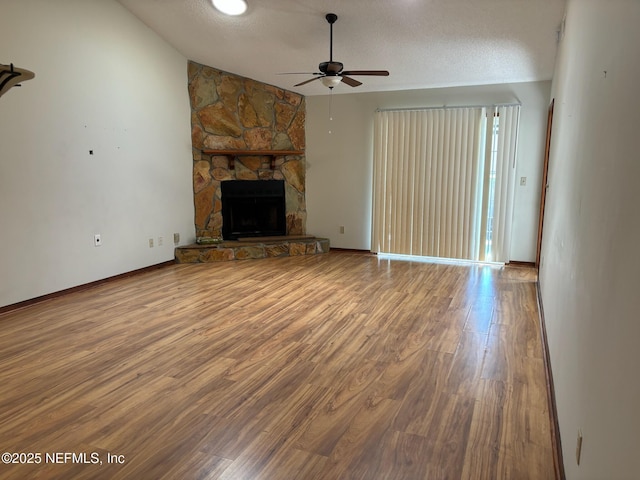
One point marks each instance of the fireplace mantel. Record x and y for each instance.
(232, 154)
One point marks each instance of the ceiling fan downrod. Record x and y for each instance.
(331, 18)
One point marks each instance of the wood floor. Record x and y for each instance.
(335, 366)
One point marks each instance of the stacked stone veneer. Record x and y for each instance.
(227, 251)
(233, 112)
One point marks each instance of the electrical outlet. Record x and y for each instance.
(176, 238)
(341, 229)
(160, 241)
(151, 243)
(97, 241)
(579, 446)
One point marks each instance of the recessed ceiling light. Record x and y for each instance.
(231, 7)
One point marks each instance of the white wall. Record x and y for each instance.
(340, 163)
(104, 82)
(590, 273)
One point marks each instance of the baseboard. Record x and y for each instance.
(515, 263)
(556, 444)
(80, 288)
(352, 250)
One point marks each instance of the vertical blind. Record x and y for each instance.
(433, 172)
(505, 176)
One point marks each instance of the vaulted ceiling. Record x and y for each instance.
(423, 43)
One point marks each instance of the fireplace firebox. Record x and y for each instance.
(253, 208)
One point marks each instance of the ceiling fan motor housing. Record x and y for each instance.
(331, 68)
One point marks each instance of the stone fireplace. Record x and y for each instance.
(248, 132)
(233, 113)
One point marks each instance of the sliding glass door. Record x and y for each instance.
(444, 182)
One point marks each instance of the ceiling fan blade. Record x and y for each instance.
(380, 73)
(299, 73)
(306, 81)
(350, 81)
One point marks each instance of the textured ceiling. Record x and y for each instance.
(423, 43)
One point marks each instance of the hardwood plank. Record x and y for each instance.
(357, 453)
(402, 457)
(419, 405)
(318, 367)
(344, 401)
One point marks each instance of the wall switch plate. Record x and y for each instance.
(151, 243)
(160, 241)
(97, 240)
(176, 238)
(523, 181)
(341, 229)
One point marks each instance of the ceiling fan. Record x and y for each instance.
(331, 73)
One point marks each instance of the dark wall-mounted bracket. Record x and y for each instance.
(11, 76)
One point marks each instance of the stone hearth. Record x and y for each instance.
(244, 250)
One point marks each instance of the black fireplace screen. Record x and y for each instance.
(253, 208)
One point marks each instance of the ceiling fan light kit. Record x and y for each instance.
(331, 81)
(332, 73)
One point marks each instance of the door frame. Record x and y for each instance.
(545, 185)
